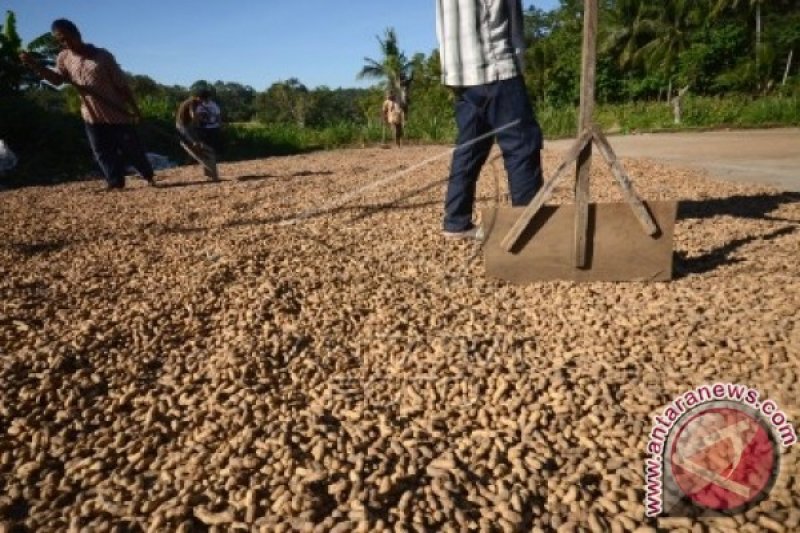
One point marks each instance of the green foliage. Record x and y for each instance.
(11, 69)
(49, 142)
(284, 102)
(235, 100)
(735, 74)
(393, 66)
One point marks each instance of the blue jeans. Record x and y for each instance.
(114, 146)
(480, 110)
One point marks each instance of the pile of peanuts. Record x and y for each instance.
(278, 353)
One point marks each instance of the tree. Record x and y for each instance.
(235, 100)
(13, 75)
(557, 43)
(11, 69)
(285, 102)
(673, 30)
(653, 35)
(540, 55)
(45, 49)
(631, 26)
(755, 8)
(393, 66)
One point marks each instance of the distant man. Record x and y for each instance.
(394, 116)
(209, 121)
(480, 46)
(187, 122)
(108, 107)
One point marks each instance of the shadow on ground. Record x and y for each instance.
(32, 249)
(754, 207)
(182, 184)
(721, 256)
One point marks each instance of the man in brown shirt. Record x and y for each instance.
(108, 106)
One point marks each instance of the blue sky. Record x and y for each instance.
(255, 42)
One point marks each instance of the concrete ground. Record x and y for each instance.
(770, 156)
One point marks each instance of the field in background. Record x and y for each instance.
(59, 151)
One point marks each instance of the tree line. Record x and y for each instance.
(648, 52)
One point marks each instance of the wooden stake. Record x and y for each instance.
(639, 209)
(582, 152)
(588, 72)
(545, 192)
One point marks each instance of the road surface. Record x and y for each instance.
(770, 156)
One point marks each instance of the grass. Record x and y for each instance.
(30, 130)
(698, 113)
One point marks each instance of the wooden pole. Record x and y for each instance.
(588, 71)
(545, 192)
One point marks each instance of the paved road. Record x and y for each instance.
(769, 157)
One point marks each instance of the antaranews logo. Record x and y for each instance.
(714, 449)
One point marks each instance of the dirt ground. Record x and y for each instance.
(769, 156)
(277, 352)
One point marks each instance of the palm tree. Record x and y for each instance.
(632, 25)
(644, 34)
(11, 69)
(393, 66)
(722, 5)
(671, 28)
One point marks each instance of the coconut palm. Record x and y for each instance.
(651, 35)
(670, 29)
(632, 26)
(753, 5)
(393, 67)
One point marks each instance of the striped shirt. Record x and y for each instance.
(480, 41)
(103, 101)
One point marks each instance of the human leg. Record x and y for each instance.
(213, 138)
(134, 152)
(398, 133)
(468, 158)
(103, 141)
(521, 144)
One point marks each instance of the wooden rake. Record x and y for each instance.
(588, 236)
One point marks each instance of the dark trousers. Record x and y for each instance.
(397, 132)
(480, 110)
(213, 138)
(115, 146)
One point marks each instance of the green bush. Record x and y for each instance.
(50, 145)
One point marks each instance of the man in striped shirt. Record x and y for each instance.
(480, 45)
(108, 107)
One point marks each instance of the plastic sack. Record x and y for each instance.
(7, 158)
(160, 162)
(157, 161)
